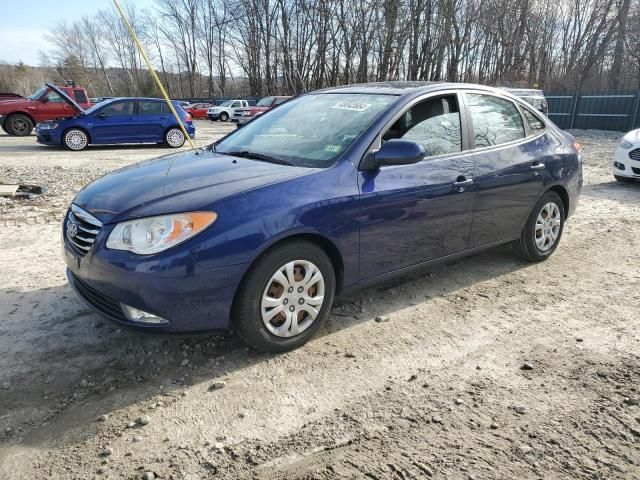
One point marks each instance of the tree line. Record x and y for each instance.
(208, 48)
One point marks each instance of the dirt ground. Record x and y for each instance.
(486, 368)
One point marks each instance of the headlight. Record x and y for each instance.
(626, 145)
(149, 235)
(48, 126)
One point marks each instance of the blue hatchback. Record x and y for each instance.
(116, 121)
(331, 191)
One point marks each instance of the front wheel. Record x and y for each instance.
(285, 297)
(18, 125)
(75, 139)
(541, 234)
(224, 116)
(174, 138)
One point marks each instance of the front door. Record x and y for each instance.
(53, 106)
(415, 213)
(113, 123)
(509, 168)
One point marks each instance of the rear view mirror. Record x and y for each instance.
(395, 152)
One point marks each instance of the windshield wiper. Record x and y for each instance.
(257, 156)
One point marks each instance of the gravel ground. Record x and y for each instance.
(485, 368)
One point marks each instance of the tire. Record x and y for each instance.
(224, 116)
(535, 244)
(259, 295)
(75, 139)
(174, 137)
(4, 129)
(18, 125)
(624, 179)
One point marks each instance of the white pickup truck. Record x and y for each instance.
(226, 110)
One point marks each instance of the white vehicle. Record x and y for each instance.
(626, 163)
(226, 110)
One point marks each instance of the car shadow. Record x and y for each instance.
(70, 365)
(36, 147)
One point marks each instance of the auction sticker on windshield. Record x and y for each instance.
(350, 105)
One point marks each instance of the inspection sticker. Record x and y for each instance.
(353, 106)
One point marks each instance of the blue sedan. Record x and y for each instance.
(116, 121)
(331, 191)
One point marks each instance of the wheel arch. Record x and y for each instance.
(19, 112)
(564, 196)
(321, 241)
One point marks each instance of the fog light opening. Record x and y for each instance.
(140, 316)
(619, 166)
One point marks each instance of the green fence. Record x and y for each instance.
(599, 110)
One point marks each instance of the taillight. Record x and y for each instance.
(577, 146)
(188, 119)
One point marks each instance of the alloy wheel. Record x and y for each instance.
(292, 298)
(76, 140)
(548, 226)
(175, 138)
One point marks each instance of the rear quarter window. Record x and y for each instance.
(535, 124)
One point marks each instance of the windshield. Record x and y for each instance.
(225, 104)
(38, 94)
(309, 131)
(265, 102)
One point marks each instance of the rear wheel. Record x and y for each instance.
(75, 139)
(541, 234)
(285, 298)
(174, 138)
(19, 125)
(624, 179)
(224, 116)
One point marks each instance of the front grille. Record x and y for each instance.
(81, 229)
(636, 170)
(635, 154)
(97, 300)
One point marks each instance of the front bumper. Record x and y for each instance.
(48, 137)
(173, 285)
(624, 166)
(241, 120)
(213, 116)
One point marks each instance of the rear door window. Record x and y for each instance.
(495, 120)
(149, 107)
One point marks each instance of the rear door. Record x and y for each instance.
(509, 167)
(415, 213)
(114, 123)
(149, 121)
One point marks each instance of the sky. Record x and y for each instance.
(24, 23)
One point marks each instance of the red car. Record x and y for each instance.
(20, 115)
(244, 115)
(198, 110)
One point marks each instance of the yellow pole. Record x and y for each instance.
(153, 73)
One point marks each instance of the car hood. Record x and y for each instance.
(177, 183)
(633, 136)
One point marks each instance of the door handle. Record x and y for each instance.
(537, 166)
(462, 183)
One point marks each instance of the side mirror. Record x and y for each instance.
(395, 152)
(101, 115)
(44, 99)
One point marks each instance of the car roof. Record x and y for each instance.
(404, 88)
